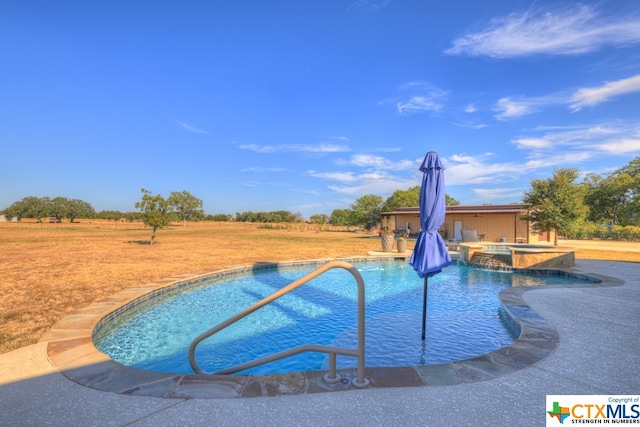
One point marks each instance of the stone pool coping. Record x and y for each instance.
(70, 348)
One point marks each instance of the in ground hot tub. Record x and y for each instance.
(517, 255)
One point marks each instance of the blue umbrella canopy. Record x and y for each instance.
(430, 254)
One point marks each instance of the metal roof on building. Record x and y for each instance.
(469, 209)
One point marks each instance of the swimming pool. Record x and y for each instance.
(464, 319)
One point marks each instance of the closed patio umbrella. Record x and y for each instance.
(430, 254)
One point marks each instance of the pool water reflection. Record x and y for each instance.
(464, 319)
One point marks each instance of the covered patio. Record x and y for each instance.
(491, 223)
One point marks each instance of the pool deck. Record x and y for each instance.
(597, 351)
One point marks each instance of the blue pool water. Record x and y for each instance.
(464, 319)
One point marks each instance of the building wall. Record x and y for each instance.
(491, 227)
(402, 222)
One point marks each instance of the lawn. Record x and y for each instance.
(51, 270)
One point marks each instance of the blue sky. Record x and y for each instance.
(306, 105)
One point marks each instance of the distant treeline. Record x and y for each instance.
(605, 207)
(62, 208)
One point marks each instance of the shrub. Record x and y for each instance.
(603, 232)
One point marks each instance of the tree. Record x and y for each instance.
(29, 207)
(132, 216)
(77, 208)
(319, 219)
(276, 216)
(343, 217)
(615, 199)
(110, 215)
(186, 205)
(57, 208)
(450, 201)
(219, 217)
(114, 216)
(155, 212)
(410, 198)
(631, 210)
(16, 210)
(367, 210)
(402, 199)
(61, 207)
(556, 203)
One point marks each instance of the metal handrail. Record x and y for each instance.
(332, 376)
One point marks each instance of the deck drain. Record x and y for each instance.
(344, 381)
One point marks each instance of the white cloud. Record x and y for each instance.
(563, 31)
(261, 169)
(462, 169)
(380, 175)
(560, 159)
(417, 85)
(350, 183)
(335, 176)
(373, 176)
(418, 104)
(368, 160)
(489, 194)
(424, 98)
(545, 149)
(470, 125)
(319, 148)
(377, 168)
(620, 146)
(296, 148)
(371, 5)
(259, 148)
(616, 138)
(470, 108)
(532, 143)
(339, 138)
(508, 108)
(382, 186)
(386, 149)
(592, 96)
(192, 129)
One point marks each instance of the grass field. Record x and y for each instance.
(50, 270)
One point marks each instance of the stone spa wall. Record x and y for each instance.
(517, 255)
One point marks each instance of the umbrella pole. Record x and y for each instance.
(424, 309)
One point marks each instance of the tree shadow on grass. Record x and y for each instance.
(142, 242)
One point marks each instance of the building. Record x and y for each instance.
(492, 223)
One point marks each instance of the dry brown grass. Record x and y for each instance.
(50, 270)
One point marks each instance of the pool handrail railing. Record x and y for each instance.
(332, 376)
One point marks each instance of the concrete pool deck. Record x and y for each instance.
(598, 352)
